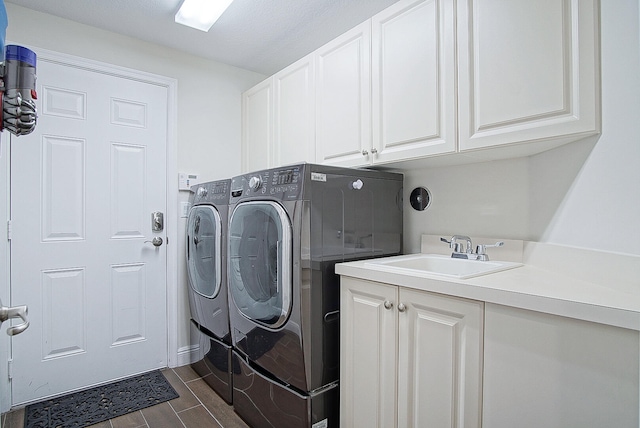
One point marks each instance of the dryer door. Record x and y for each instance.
(260, 262)
(204, 244)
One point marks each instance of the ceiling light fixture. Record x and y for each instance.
(201, 14)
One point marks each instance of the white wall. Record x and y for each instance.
(209, 97)
(601, 208)
(585, 194)
(479, 200)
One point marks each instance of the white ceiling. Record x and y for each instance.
(258, 35)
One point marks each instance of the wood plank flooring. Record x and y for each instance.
(197, 407)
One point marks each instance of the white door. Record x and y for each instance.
(368, 354)
(413, 80)
(293, 114)
(83, 187)
(257, 125)
(439, 360)
(343, 99)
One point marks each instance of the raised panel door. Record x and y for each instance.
(294, 119)
(343, 99)
(83, 187)
(528, 71)
(413, 80)
(368, 342)
(439, 361)
(257, 126)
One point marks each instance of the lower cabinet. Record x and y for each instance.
(543, 370)
(408, 358)
(412, 358)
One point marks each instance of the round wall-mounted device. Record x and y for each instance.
(420, 198)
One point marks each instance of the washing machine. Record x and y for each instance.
(206, 250)
(288, 228)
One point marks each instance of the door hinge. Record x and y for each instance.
(8, 230)
(10, 369)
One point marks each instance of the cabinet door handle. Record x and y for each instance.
(402, 307)
(365, 152)
(388, 304)
(374, 151)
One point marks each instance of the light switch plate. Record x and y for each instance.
(184, 209)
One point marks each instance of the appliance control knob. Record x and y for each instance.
(255, 182)
(202, 191)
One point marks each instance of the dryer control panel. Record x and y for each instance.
(283, 183)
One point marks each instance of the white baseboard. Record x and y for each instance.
(187, 355)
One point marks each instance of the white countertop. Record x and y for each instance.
(560, 291)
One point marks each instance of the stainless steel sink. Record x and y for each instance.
(439, 265)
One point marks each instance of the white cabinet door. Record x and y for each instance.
(528, 70)
(257, 126)
(368, 356)
(440, 361)
(294, 131)
(343, 99)
(413, 80)
(408, 358)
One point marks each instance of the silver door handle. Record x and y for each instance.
(14, 312)
(157, 241)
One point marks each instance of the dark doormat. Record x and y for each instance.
(101, 403)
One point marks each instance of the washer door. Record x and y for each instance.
(260, 262)
(204, 231)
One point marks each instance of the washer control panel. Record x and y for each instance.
(215, 191)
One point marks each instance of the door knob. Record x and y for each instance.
(14, 312)
(157, 241)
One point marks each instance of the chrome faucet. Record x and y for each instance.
(462, 252)
(458, 249)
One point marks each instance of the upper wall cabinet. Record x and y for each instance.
(472, 79)
(399, 104)
(528, 71)
(413, 80)
(257, 126)
(343, 98)
(294, 131)
(278, 119)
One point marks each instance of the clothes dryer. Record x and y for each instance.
(288, 228)
(206, 250)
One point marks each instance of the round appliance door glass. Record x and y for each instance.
(260, 262)
(204, 231)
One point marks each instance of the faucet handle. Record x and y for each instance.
(481, 249)
(455, 246)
